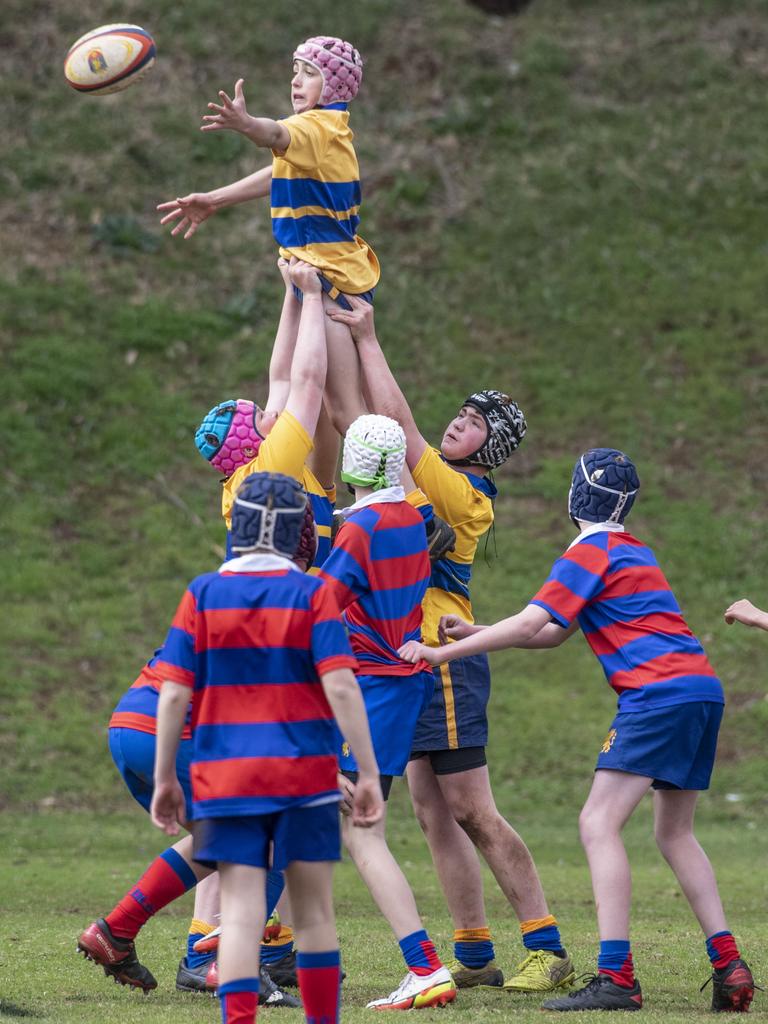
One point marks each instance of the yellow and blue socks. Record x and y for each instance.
(615, 960)
(239, 1000)
(419, 953)
(542, 933)
(275, 950)
(198, 930)
(319, 977)
(722, 949)
(473, 947)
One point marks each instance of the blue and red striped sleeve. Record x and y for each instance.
(345, 570)
(330, 646)
(576, 578)
(176, 662)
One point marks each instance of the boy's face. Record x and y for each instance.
(306, 86)
(464, 434)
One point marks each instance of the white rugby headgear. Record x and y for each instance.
(374, 453)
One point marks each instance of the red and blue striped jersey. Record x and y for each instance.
(137, 708)
(611, 583)
(252, 645)
(379, 570)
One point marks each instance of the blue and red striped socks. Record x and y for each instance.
(473, 947)
(319, 977)
(615, 960)
(722, 949)
(542, 933)
(419, 953)
(167, 877)
(239, 1000)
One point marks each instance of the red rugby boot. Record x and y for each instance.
(117, 956)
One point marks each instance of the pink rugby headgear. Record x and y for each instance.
(228, 437)
(338, 62)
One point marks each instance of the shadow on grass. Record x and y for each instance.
(12, 1010)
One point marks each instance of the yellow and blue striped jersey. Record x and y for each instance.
(466, 502)
(285, 450)
(316, 199)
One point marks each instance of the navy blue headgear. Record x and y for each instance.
(603, 487)
(268, 514)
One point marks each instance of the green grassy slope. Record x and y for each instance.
(567, 205)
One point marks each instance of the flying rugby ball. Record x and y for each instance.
(109, 59)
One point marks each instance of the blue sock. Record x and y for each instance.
(615, 960)
(238, 998)
(419, 953)
(473, 947)
(275, 886)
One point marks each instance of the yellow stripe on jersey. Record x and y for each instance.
(469, 511)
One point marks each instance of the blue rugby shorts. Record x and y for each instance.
(133, 752)
(673, 745)
(394, 705)
(297, 833)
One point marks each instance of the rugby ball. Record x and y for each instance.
(109, 58)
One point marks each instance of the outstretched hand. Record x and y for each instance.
(413, 652)
(169, 808)
(745, 612)
(192, 211)
(359, 319)
(230, 114)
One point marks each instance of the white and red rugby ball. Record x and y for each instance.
(109, 58)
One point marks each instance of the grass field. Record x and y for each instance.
(60, 871)
(568, 205)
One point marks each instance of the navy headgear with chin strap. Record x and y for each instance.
(603, 487)
(268, 514)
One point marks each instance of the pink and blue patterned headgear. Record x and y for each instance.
(604, 486)
(338, 62)
(228, 437)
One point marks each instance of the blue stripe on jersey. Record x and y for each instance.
(653, 645)
(347, 568)
(681, 690)
(313, 229)
(451, 576)
(263, 739)
(224, 666)
(332, 195)
(627, 608)
(577, 579)
(397, 541)
(625, 555)
(394, 603)
(177, 649)
(223, 598)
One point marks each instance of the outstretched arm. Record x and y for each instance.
(231, 115)
(190, 211)
(285, 343)
(310, 358)
(516, 631)
(382, 390)
(747, 613)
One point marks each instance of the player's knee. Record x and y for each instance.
(478, 824)
(592, 826)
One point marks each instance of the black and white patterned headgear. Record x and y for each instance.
(506, 427)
